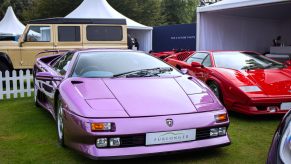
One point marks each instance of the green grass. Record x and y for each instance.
(28, 135)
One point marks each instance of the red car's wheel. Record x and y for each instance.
(215, 89)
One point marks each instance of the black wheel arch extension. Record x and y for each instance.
(6, 59)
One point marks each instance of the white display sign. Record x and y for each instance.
(286, 106)
(170, 137)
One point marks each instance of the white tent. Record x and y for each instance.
(243, 25)
(101, 9)
(10, 25)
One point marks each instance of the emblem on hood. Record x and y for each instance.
(170, 122)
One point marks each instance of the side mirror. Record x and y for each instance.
(196, 65)
(288, 63)
(47, 76)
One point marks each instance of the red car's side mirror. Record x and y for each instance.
(196, 65)
(288, 63)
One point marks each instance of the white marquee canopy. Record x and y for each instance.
(243, 24)
(10, 25)
(101, 9)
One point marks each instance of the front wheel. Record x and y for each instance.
(60, 122)
(216, 90)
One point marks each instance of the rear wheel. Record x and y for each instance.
(4, 67)
(60, 122)
(215, 89)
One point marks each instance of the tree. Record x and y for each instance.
(18, 6)
(50, 8)
(147, 12)
(179, 11)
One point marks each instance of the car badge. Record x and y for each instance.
(170, 122)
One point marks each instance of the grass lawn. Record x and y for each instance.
(28, 135)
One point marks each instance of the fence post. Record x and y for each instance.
(8, 89)
(21, 83)
(1, 86)
(28, 83)
(14, 78)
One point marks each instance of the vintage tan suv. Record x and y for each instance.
(61, 34)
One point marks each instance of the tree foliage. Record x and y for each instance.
(148, 12)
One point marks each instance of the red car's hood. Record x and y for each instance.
(272, 81)
(139, 97)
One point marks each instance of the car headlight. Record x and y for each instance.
(250, 88)
(285, 146)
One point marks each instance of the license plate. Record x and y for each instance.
(286, 106)
(170, 137)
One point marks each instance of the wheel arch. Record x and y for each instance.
(6, 59)
(56, 98)
(219, 83)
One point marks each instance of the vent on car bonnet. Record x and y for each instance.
(76, 82)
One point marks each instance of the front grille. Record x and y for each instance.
(140, 140)
(130, 141)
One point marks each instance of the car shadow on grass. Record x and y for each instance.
(201, 156)
(254, 117)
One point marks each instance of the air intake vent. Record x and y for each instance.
(76, 82)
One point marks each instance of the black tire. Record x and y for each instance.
(4, 67)
(36, 97)
(60, 122)
(216, 90)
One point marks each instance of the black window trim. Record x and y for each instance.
(197, 58)
(58, 40)
(92, 25)
(209, 59)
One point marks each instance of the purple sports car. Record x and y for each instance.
(122, 103)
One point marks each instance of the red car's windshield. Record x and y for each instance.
(244, 60)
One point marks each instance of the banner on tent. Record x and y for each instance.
(182, 36)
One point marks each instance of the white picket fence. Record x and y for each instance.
(21, 85)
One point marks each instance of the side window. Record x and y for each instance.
(104, 33)
(207, 62)
(69, 34)
(63, 63)
(38, 34)
(197, 57)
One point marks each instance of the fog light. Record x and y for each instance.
(272, 109)
(221, 118)
(101, 142)
(107, 126)
(114, 142)
(222, 131)
(214, 132)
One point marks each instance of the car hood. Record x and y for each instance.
(273, 82)
(139, 97)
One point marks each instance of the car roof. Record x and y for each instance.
(103, 50)
(212, 51)
(77, 21)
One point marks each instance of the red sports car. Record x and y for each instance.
(246, 82)
(181, 54)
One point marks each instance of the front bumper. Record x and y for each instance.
(142, 151)
(260, 106)
(78, 134)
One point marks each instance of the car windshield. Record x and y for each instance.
(120, 64)
(244, 60)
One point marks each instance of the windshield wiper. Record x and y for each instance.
(145, 72)
(270, 65)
